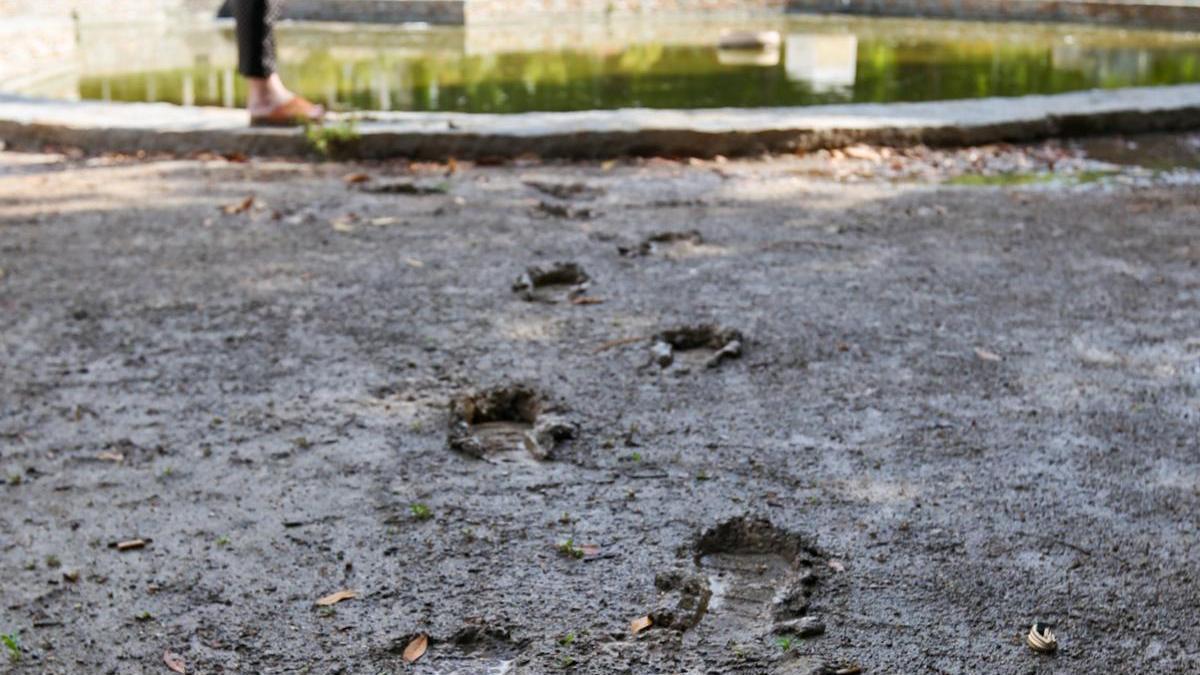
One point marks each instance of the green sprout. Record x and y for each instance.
(567, 639)
(14, 646)
(785, 642)
(330, 140)
(421, 511)
(570, 550)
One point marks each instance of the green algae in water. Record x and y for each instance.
(820, 61)
(1018, 178)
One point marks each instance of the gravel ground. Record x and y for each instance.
(942, 413)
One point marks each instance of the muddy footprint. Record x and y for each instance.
(761, 579)
(670, 244)
(562, 281)
(705, 344)
(505, 424)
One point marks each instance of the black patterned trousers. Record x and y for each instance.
(256, 35)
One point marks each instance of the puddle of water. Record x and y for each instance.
(672, 64)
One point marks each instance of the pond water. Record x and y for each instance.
(614, 65)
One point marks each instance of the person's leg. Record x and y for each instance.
(267, 95)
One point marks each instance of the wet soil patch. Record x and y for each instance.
(664, 243)
(474, 648)
(553, 283)
(510, 423)
(705, 344)
(566, 190)
(760, 580)
(555, 210)
(403, 187)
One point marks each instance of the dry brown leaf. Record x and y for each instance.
(174, 662)
(239, 207)
(107, 456)
(640, 624)
(451, 166)
(356, 178)
(416, 648)
(342, 225)
(985, 355)
(586, 300)
(130, 544)
(335, 598)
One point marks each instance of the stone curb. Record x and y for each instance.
(101, 127)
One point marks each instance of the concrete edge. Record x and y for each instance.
(97, 127)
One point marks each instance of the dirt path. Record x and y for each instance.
(950, 412)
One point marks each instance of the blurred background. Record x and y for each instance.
(517, 55)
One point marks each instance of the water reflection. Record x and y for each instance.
(611, 66)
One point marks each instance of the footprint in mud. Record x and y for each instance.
(703, 344)
(566, 190)
(506, 424)
(750, 580)
(472, 650)
(560, 281)
(668, 244)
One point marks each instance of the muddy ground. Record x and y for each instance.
(952, 411)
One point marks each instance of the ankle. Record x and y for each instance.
(266, 93)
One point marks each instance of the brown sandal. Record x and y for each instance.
(295, 113)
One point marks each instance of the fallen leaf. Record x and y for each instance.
(414, 263)
(110, 457)
(236, 158)
(836, 566)
(985, 355)
(239, 207)
(174, 662)
(384, 221)
(451, 166)
(335, 598)
(354, 178)
(586, 300)
(608, 165)
(640, 624)
(342, 225)
(416, 648)
(589, 550)
(129, 544)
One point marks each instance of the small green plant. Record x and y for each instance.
(13, 645)
(329, 140)
(635, 457)
(222, 541)
(53, 562)
(570, 550)
(14, 479)
(567, 661)
(421, 511)
(567, 640)
(144, 617)
(785, 642)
